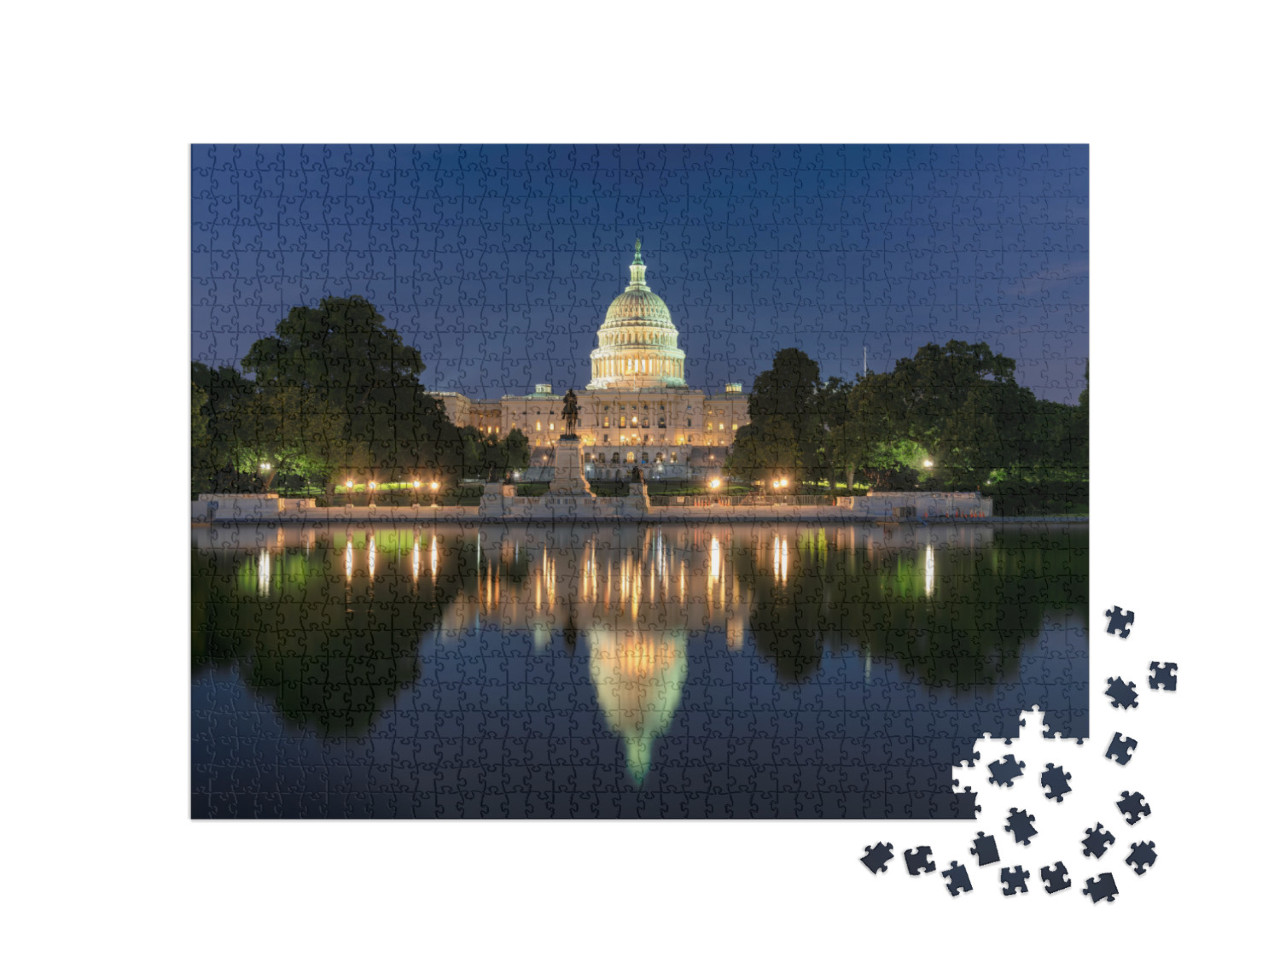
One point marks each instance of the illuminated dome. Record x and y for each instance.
(638, 675)
(637, 340)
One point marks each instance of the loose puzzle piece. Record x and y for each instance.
(1141, 856)
(957, 879)
(918, 860)
(1055, 781)
(877, 859)
(1102, 887)
(1019, 823)
(1014, 880)
(1096, 841)
(1164, 676)
(1055, 879)
(1118, 622)
(1005, 771)
(1122, 693)
(1134, 805)
(1121, 749)
(984, 847)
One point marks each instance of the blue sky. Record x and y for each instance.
(498, 262)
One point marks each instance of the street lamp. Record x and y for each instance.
(264, 467)
(416, 486)
(715, 484)
(435, 487)
(928, 463)
(373, 485)
(350, 485)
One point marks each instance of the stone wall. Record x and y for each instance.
(919, 505)
(225, 507)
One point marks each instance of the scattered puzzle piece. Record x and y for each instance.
(1134, 805)
(1118, 622)
(877, 859)
(1102, 887)
(1055, 781)
(957, 879)
(1055, 879)
(1014, 880)
(1141, 856)
(918, 860)
(1096, 841)
(1019, 823)
(1121, 693)
(1121, 749)
(1006, 770)
(984, 847)
(1164, 676)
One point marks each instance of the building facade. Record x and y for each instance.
(637, 410)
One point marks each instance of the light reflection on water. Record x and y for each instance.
(864, 635)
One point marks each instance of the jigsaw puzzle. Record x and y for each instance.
(636, 481)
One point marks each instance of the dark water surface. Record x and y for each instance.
(659, 670)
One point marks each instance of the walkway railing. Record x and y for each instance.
(740, 501)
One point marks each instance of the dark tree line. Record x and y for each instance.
(332, 394)
(951, 417)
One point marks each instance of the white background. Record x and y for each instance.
(102, 102)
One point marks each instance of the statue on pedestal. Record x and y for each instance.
(570, 412)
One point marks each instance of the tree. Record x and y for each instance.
(292, 431)
(217, 397)
(343, 352)
(784, 435)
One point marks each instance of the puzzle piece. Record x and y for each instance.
(984, 847)
(1096, 841)
(1055, 781)
(918, 860)
(957, 879)
(1121, 749)
(1019, 823)
(1006, 770)
(1014, 879)
(1141, 856)
(1055, 879)
(1134, 805)
(1122, 693)
(1102, 887)
(877, 859)
(1118, 622)
(1164, 676)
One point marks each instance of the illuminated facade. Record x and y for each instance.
(637, 410)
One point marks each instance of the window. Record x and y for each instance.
(631, 457)
(662, 421)
(688, 422)
(644, 422)
(721, 426)
(606, 421)
(614, 459)
(644, 457)
(606, 438)
(735, 427)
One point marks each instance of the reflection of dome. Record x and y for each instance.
(638, 677)
(637, 340)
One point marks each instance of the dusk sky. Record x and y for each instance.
(498, 263)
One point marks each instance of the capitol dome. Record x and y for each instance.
(637, 340)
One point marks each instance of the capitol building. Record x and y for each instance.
(637, 410)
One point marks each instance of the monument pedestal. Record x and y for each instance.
(567, 475)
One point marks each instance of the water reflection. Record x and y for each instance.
(337, 630)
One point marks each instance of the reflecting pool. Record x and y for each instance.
(752, 670)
